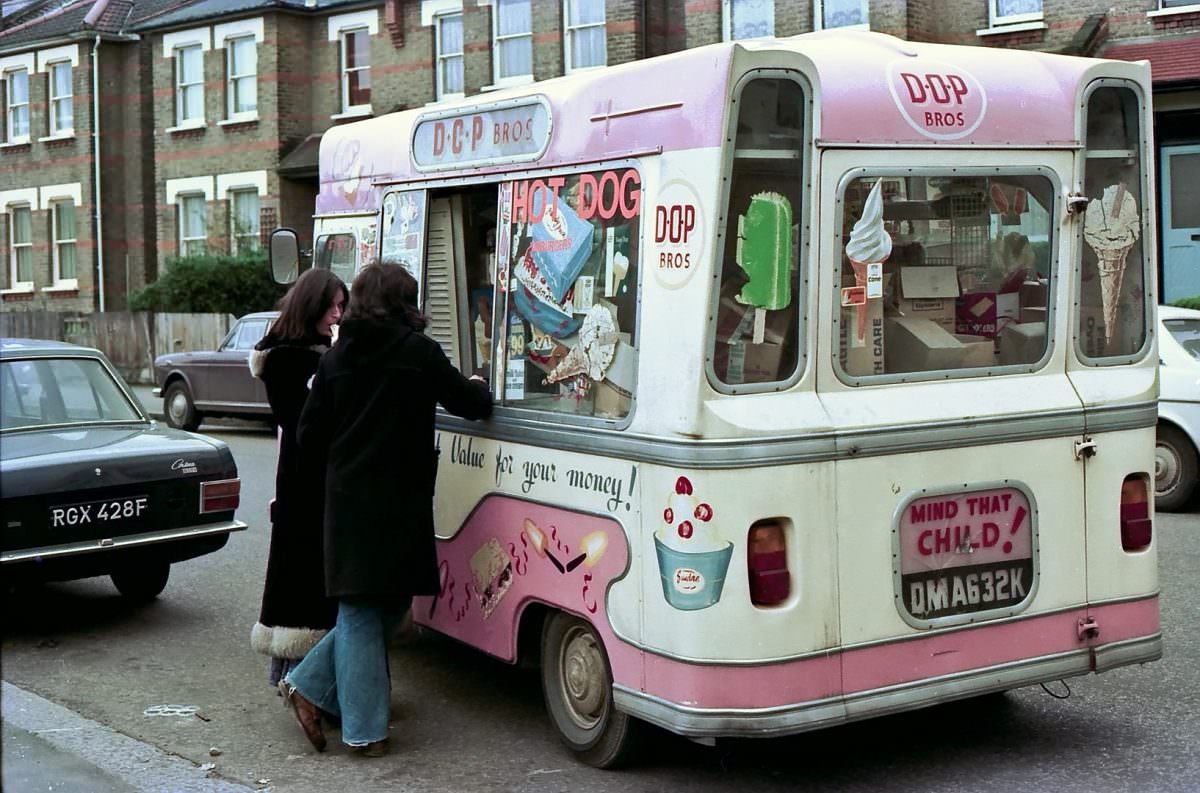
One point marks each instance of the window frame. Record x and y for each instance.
(11, 107)
(498, 39)
(1148, 265)
(53, 100)
(344, 69)
(569, 31)
(58, 243)
(953, 170)
(441, 57)
(727, 21)
(998, 20)
(233, 79)
(819, 17)
(805, 261)
(14, 270)
(237, 238)
(181, 87)
(185, 242)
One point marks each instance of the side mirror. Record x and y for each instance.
(284, 256)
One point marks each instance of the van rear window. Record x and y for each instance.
(944, 273)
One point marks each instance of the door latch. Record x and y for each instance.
(1076, 202)
(1085, 448)
(1088, 628)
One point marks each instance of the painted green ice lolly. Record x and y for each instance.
(764, 252)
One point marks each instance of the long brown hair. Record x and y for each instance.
(305, 303)
(385, 291)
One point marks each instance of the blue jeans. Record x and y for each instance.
(346, 674)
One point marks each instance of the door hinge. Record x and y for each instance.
(1088, 628)
(1076, 203)
(1085, 448)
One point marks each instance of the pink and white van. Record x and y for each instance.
(825, 371)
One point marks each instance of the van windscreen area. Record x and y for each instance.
(944, 273)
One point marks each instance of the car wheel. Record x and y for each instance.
(577, 684)
(1175, 468)
(179, 408)
(143, 581)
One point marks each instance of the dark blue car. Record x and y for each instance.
(91, 485)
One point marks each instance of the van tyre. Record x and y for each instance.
(577, 684)
(179, 408)
(143, 581)
(1175, 468)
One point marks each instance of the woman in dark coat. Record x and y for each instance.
(371, 416)
(295, 612)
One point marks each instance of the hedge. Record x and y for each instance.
(1188, 302)
(211, 284)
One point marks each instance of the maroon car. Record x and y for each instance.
(215, 383)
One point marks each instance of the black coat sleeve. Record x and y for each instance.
(286, 375)
(469, 399)
(314, 432)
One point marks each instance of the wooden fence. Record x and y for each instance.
(130, 339)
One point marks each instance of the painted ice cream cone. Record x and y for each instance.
(869, 244)
(1111, 227)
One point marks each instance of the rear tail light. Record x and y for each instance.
(766, 557)
(1136, 526)
(220, 495)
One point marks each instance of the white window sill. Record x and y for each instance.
(1017, 27)
(247, 119)
(187, 126)
(66, 135)
(1170, 12)
(579, 69)
(62, 286)
(509, 82)
(860, 26)
(360, 111)
(10, 144)
(19, 289)
(445, 98)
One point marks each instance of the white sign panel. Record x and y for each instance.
(517, 132)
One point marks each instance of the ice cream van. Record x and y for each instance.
(824, 367)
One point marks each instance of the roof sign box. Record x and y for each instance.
(504, 132)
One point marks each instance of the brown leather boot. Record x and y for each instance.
(373, 749)
(308, 715)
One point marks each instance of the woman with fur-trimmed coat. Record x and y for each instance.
(295, 613)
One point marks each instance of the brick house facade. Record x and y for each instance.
(210, 112)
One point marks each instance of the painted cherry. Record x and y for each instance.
(669, 516)
(704, 512)
(683, 486)
(685, 530)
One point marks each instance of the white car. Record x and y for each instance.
(1175, 456)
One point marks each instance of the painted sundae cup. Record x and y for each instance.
(692, 558)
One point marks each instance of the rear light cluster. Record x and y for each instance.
(220, 495)
(766, 559)
(1136, 526)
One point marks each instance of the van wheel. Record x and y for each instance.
(142, 581)
(577, 683)
(178, 407)
(1175, 468)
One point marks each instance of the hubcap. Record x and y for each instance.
(178, 407)
(584, 682)
(1166, 469)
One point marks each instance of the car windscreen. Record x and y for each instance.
(38, 392)
(1187, 333)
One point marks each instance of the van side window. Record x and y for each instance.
(942, 273)
(1112, 290)
(567, 251)
(336, 252)
(758, 317)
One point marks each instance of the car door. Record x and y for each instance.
(229, 379)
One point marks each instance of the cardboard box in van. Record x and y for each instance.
(861, 356)
(1022, 343)
(929, 293)
(986, 313)
(978, 351)
(920, 345)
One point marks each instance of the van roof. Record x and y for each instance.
(871, 89)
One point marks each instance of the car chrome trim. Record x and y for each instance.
(130, 541)
(790, 719)
(207, 405)
(817, 447)
(75, 425)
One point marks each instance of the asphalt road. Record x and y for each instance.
(465, 723)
